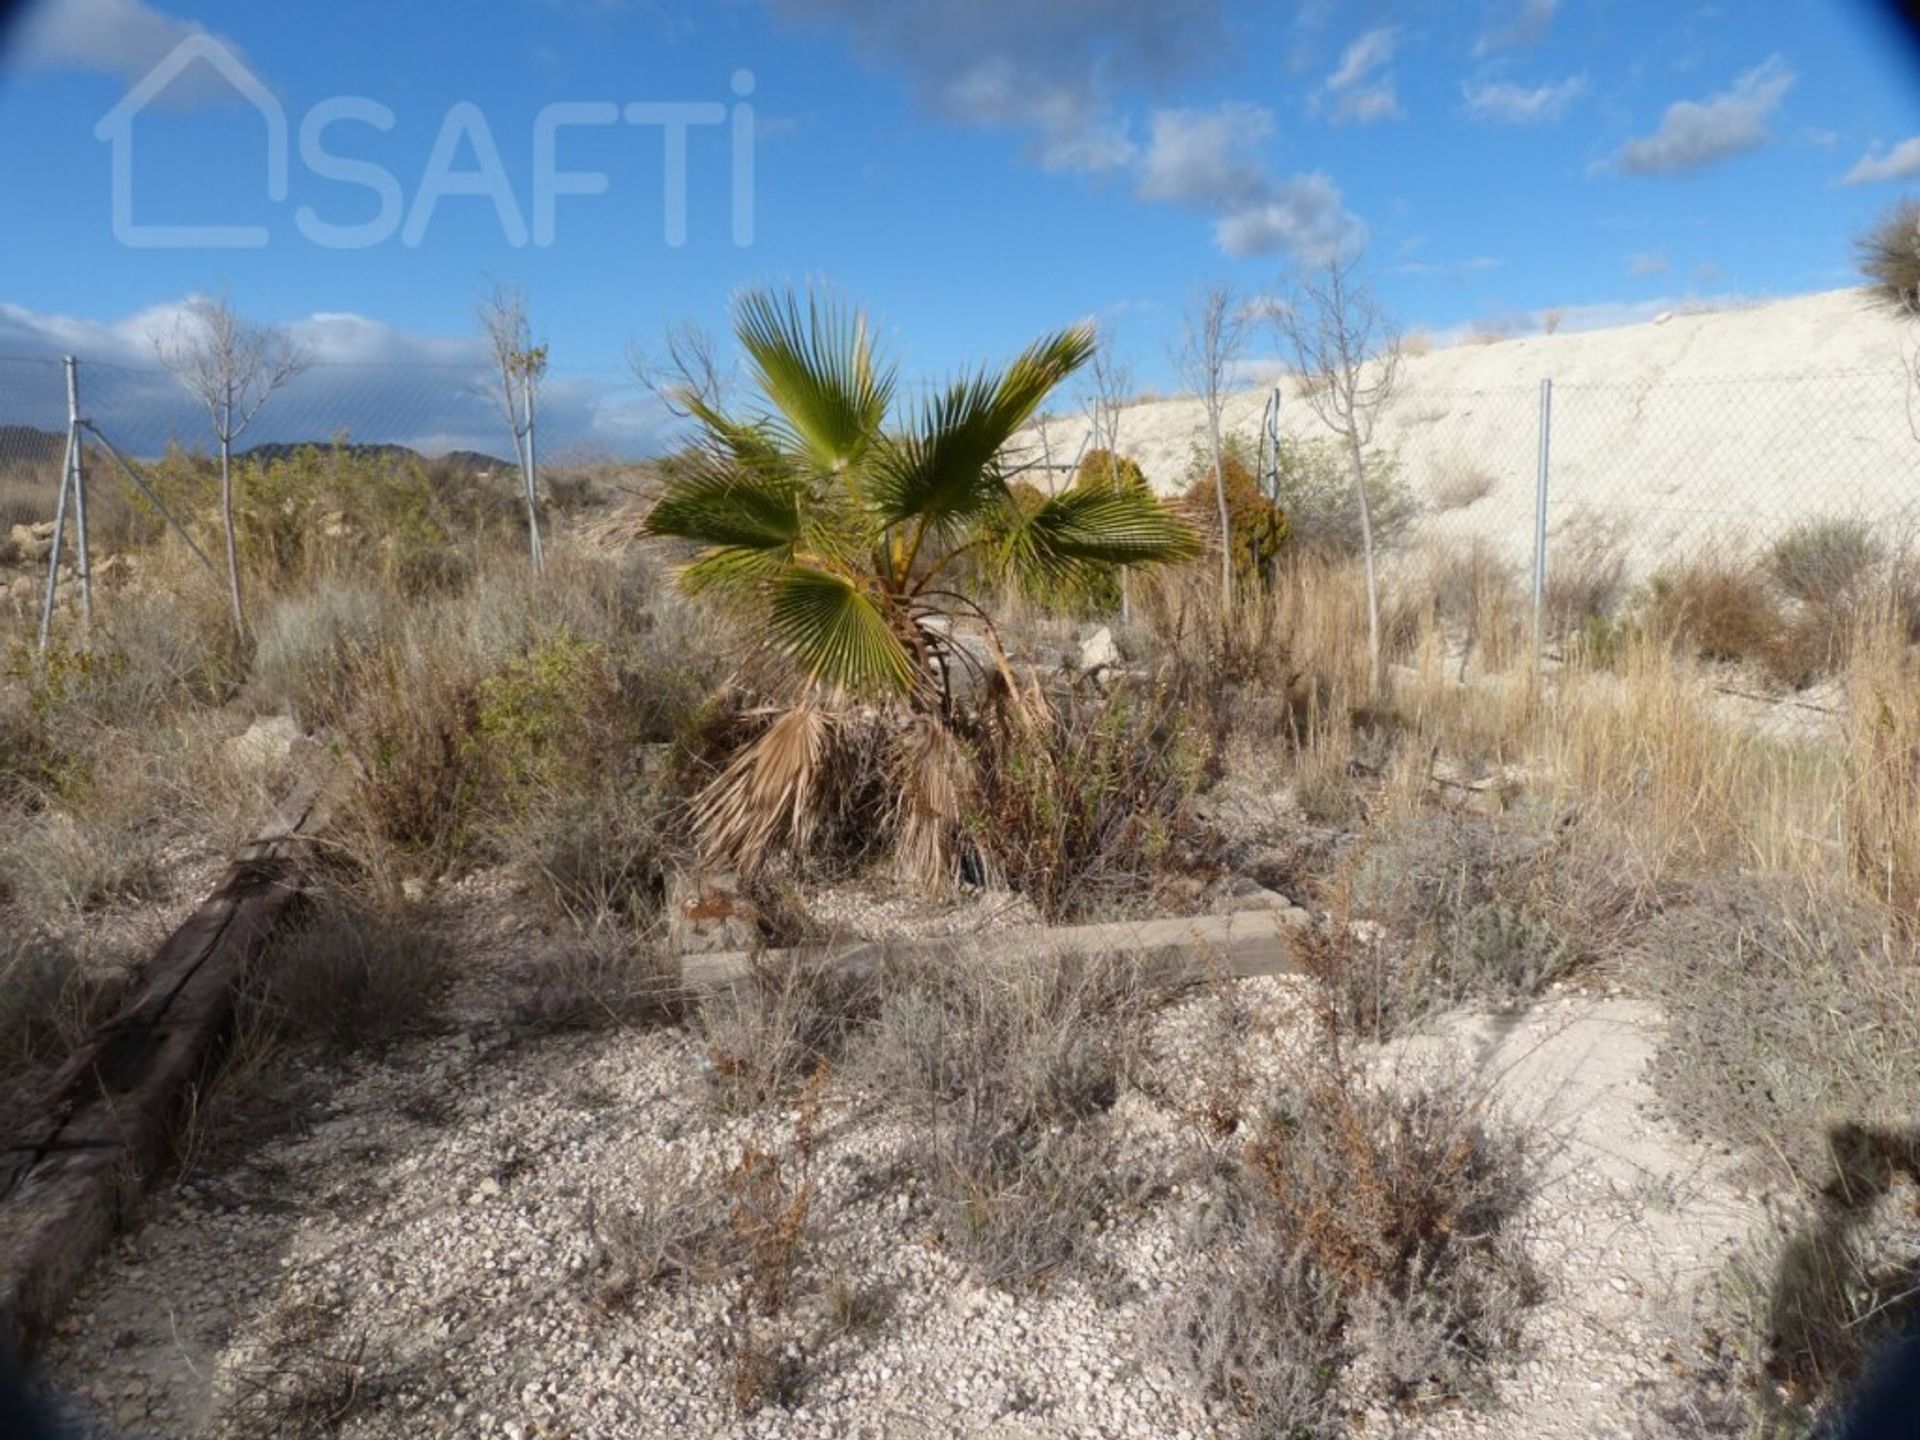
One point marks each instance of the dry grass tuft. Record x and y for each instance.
(1003, 1066)
(1721, 606)
(1457, 483)
(601, 976)
(350, 978)
(1361, 1247)
(1889, 255)
(767, 1039)
(1790, 1012)
(1435, 910)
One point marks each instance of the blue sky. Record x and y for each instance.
(974, 172)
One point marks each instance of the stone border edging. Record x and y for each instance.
(1183, 950)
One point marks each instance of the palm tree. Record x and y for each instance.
(856, 545)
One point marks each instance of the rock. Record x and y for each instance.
(707, 914)
(29, 544)
(1098, 651)
(267, 743)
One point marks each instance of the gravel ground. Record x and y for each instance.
(418, 1258)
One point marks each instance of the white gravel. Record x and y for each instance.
(430, 1225)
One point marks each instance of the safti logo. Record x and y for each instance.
(463, 130)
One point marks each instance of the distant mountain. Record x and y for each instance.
(472, 461)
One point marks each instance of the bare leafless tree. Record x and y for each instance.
(519, 365)
(686, 372)
(1109, 382)
(1212, 342)
(231, 366)
(1346, 355)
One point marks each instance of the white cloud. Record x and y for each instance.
(1527, 24)
(1204, 158)
(1208, 160)
(1902, 162)
(1360, 88)
(1040, 66)
(1648, 264)
(1456, 271)
(1694, 134)
(126, 38)
(370, 381)
(1508, 104)
(1303, 216)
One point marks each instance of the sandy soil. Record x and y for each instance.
(1726, 424)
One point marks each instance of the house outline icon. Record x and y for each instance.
(116, 129)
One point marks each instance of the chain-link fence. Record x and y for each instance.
(436, 410)
(1643, 472)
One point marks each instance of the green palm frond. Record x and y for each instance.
(815, 367)
(1092, 526)
(838, 634)
(738, 570)
(944, 468)
(726, 505)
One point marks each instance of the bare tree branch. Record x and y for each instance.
(520, 365)
(1346, 356)
(232, 367)
(687, 374)
(1213, 340)
(1109, 382)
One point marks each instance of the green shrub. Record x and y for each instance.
(1828, 562)
(1103, 467)
(1259, 528)
(1316, 487)
(538, 721)
(1092, 809)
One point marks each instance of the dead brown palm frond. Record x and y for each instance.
(936, 777)
(770, 790)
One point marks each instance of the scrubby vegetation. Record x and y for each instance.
(1890, 257)
(832, 689)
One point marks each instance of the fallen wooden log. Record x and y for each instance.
(69, 1181)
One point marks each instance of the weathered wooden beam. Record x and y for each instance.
(68, 1184)
(1181, 951)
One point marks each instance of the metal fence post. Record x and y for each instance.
(77, 452)
(1540, 519)
(59, 539)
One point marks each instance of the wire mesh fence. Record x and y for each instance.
(1640, 472)
(434, 410)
